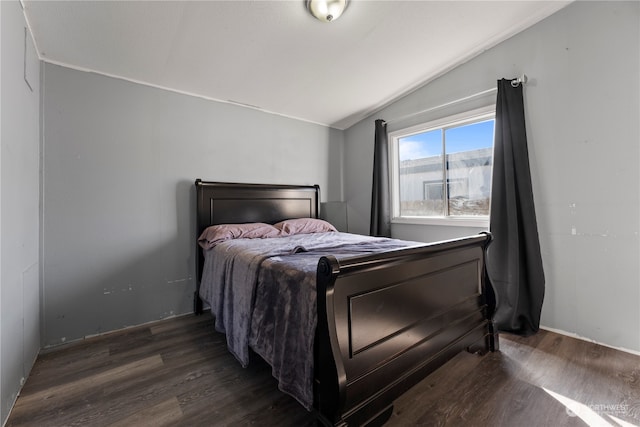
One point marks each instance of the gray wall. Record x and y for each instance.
(582, 108)
(19, 206)
(120, 160)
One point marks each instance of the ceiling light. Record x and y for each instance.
(326, 10)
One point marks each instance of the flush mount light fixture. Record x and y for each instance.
(326, 10)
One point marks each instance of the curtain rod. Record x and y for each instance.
(515, 82)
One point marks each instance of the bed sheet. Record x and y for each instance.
(262, 293)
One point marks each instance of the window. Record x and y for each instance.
(441, 171)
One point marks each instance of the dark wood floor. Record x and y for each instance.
(178, 373)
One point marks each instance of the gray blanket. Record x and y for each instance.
(262, 293)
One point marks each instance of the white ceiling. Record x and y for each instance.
(273, 55)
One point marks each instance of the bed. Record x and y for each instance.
(380, 321)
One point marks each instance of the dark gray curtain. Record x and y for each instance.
(514, 263)
(380, 197)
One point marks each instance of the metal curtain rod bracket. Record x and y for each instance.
(522, 79)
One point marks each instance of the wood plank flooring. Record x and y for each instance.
(178, 372)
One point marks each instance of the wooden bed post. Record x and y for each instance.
(489, 295)
(197, 301)
(329, 383)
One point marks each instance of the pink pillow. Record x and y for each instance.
(304, 226)
(215, 234)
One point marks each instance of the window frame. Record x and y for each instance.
(467, 117)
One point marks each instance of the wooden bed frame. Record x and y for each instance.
(385, 321)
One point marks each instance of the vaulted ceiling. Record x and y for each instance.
(272, 55)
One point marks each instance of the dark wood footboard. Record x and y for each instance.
(387, 321)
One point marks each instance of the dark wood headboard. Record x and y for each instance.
(233, 203)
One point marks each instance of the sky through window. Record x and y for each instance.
(461, 138)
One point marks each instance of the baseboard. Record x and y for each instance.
(573, 335)
(23, 380)
(50, 347)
